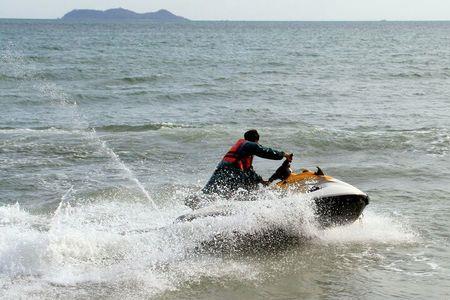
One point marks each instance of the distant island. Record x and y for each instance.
(121, 14)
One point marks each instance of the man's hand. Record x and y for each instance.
(289, 156)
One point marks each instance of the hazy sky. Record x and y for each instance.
(245, 9)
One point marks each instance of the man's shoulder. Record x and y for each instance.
(251, 144)
(251, 147)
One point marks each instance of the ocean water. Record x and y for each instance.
(105, 128)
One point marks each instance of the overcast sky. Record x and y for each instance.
(245, 9)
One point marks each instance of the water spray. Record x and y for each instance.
(128, 172)
(54, 93)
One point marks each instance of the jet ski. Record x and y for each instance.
(335, 202)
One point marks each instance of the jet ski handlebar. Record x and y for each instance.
(283, 171)
(289, 156)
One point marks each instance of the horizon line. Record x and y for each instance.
(242, 20)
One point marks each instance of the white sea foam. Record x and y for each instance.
(126, 245)
(98, 243)
(39, 131)
(371, 227)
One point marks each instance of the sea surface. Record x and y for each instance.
(105, 128)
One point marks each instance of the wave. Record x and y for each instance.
(107, 128)
(430, 141)
(411, 75)
(4, 77)
(421, 75)
(142, 127)
(138, 93)
(141, 79)
(35, 58)
(34, 76)
(54, 48)
(402, 55)
(303, 54)
(275, 72)
(433, 140)
(43, 129)
(275, 63)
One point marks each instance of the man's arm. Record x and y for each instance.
(251, 148)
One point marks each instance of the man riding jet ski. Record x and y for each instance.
(335, 202)
(235, 171)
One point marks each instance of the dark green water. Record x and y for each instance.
(93, 116)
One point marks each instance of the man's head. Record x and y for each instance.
(252, 135)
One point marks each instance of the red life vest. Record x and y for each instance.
(244, 163)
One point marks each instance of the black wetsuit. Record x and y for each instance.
(228, 178)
